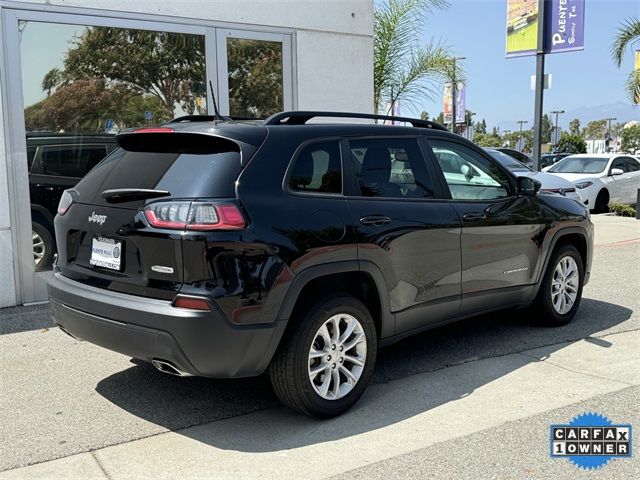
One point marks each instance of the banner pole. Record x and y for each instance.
(539, 100)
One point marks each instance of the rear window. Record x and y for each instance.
(185, 174)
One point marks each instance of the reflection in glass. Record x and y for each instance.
(83, 84)
(255, 77)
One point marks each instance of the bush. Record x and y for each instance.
(571, 144)
(622, 210)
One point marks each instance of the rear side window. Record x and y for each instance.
(71, 160)
(317, 169)
(391, 168)
(31, 153)
(203, 173)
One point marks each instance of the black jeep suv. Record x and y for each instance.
(230, 248)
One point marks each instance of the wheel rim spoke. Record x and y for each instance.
(337, 356)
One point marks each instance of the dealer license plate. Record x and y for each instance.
(106, 253)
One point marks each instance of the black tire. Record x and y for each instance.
(543, 307)
(289, 368)
(44, 249)
(602, 202)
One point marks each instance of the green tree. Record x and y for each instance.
(51, 80)
(85, 105)
(481, 126)
(487, 139)
(424, 115)
(546, 129)
(595, 129)
(169, 66)
(255, 78)
(440, 118)
(574, 127)
(628, 34)
(403, 67)
(571, 143)
(630, 138)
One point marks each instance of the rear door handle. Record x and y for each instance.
(474, 216)
(375, 220)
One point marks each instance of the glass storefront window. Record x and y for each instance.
(83, 84)
(255, 77)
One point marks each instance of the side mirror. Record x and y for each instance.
(467, 171)
(616, 171)
(528, 186)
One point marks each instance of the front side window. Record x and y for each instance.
(469, 175)
(390, 167)
(317, 169)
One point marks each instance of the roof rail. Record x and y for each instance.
(302, 117)
(208, 118)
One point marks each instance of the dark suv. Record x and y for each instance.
(56, 162)
(227, 249)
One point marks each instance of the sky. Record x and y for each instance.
(499, 89)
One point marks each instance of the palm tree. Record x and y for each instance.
(403, 69)
(51, 80)
(628, 33)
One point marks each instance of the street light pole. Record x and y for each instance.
(521, 122)
(555, 129)
(504, 134)
(609, 129)
(469, 121)
(454, 87)
(537, 111)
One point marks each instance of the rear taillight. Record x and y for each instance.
(67, 199)
(194, 216)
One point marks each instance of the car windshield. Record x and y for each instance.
(508, 162)
(580, 165)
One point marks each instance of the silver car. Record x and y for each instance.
(550, 183)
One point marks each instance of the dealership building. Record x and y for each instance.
(73, 68)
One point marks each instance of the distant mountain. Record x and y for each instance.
(624, 112)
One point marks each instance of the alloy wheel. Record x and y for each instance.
(337, 356)
(564, 285)
(39, 248)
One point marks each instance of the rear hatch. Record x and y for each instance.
(106, 239)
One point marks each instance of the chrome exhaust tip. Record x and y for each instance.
(169, 368)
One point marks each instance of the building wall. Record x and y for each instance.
(7, 284)
(333, 65)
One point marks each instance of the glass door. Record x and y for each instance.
(255, 72)
(78, 81)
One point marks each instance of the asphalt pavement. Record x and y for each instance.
(100, 415)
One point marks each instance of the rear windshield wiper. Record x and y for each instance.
(120, 195)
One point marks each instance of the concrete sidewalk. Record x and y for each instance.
(613, 230)
(392, 419)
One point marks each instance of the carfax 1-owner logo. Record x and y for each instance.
(590, 440)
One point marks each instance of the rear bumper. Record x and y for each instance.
(197, 343)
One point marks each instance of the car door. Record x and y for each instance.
(500, 230)
(405, 228)
(617, 184)
(633, 171)
(628, 183)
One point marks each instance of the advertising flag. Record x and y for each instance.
(636, 95)
(447, 107)
(564, 30)
(522, 27)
